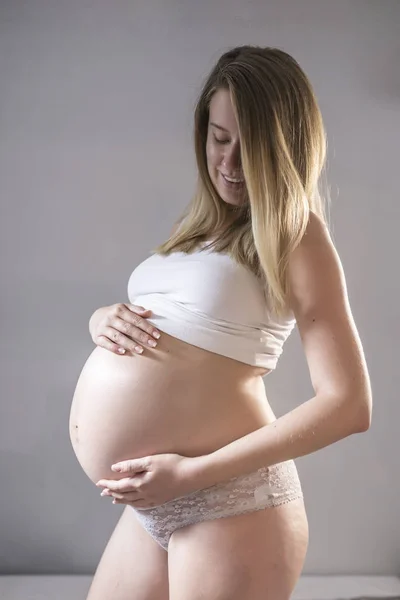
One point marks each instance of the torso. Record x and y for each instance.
(175, 398)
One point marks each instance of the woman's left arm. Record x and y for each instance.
(342, 404)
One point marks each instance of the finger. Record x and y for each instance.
(126, 496)
(137, 308)
(129, 337)
(121, 500)
(140, 503)
(137, 319)
(105, 342)
(133, 503)
(116, 486)
(140, 330)
(136, 465)
(103, 483)
(108, 492)
(117, 496)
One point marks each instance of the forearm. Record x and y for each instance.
(313, 425)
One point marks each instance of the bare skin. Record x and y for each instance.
(173, 398)
(182, 399)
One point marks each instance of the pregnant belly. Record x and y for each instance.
(163, 401)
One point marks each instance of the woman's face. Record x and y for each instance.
(223, 150)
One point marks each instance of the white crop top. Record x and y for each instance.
(209, 300)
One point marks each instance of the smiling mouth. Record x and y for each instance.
(235, 180)
(233, 186)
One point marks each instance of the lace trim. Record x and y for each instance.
(267, 487)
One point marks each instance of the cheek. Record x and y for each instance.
(213, 155)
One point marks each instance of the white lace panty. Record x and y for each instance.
(269, 486)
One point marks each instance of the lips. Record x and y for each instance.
(231, 186)
(241, 180)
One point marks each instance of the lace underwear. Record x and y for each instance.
(264, 488)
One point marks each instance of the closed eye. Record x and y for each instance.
(221, 141)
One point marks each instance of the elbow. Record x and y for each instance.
(363, 425)
(362, 416)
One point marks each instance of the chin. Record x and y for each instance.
(234, 202)
(232, 199)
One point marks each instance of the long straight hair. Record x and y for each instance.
(283, 150)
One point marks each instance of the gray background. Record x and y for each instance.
(96, 163)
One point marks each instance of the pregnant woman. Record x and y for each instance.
(213, 504)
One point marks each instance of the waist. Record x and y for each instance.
(186, 364)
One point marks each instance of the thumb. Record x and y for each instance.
(136, 308)
(133, 466)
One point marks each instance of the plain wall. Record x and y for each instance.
(97, 162)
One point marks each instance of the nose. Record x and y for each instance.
(232, 158)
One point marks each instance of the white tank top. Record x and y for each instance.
(209, 300)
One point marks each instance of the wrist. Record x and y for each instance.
(197, 472)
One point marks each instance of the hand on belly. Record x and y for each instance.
(125, 408)
(132, 407)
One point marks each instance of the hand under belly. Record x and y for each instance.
(134, 406)
(123, 407)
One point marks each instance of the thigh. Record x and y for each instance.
(255, 556)
(133, 565)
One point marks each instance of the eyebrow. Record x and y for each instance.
(219, 127)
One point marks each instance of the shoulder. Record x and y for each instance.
(315, 271)
(318, 298)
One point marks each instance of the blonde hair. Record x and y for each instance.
(283, 151)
